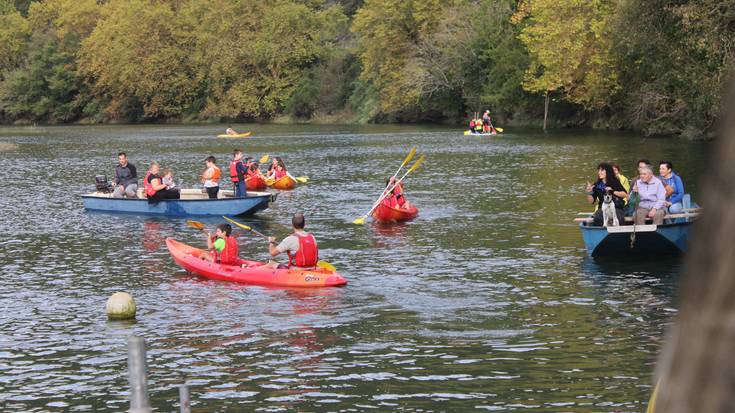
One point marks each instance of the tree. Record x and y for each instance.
(14, 35)
(568, 42)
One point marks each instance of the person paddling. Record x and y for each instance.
(395, 199)
(222, 246)
(301, 247)
(237, 174)
(230, 131)
(487, 122)
(211, 176)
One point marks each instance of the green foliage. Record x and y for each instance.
(658, 65)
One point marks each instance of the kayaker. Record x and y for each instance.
(222, 246)
(254, 171)
(395, 199)
(230, 131)
(487, 122)
(300, 246)
(478, 126)
(126, 178)
(472, 125)
(674, 187)
(237, 173)
(154, 187)
(606, 182)
(279, 169)
(211, 177)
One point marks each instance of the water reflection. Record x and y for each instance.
(486, 302)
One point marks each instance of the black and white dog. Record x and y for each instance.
(609, 217)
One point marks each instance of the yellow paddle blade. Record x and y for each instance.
(195, 224)
(302, 179)
(499, 130)
(467, 132)
(270, 181)
(326, 266)
(418, 163)
(359, 221)
(410, 155)
(232, 221)
(264, 158)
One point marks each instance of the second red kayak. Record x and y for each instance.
(255, 183)
(384, 213)
(189, 258)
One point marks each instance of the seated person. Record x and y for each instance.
(478, 126)
(674, 187)
(395, 198)
(126, 178)
(168, 178)
(606, 182)
(278, 170)
(254, 171)
(222, 246)
(300, 246)
(154, 187)
(230, 131)
(652, 197)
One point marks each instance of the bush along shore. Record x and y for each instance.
(653, 66)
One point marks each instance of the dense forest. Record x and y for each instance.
(657, 66)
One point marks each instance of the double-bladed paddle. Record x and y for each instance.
(415, 166)
(320, 263)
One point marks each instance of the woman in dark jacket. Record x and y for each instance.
(606, 182)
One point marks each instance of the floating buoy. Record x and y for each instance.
(120, 306)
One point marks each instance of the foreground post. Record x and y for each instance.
(137, 376)
(184, 398)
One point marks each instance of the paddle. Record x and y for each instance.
(406, 160)
(195, 224)
(320, 263)
(264, 158)
(302, 179)
(415, 166)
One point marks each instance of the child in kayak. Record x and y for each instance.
(254, 171)
(395, 198)
(222, 246)
(278, 170)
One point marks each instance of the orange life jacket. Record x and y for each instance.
(228, 256)
(308, 254)
(216, 175)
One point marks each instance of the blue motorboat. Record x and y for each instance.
(193, 202)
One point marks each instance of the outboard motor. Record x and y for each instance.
(102, 185)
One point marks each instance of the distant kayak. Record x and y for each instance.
(384, 213)
(482, 134)
(255, 273)
(239, 135)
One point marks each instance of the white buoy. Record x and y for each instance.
(120, 306)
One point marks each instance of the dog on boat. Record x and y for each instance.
(609, 217)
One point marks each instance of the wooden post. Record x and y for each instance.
(137, 376)
(546, 108)
(184, 399)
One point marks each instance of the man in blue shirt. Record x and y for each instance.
(674, 186)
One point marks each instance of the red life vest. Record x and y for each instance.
(228, 256)
(233, 171)
(147, 187)
(390, 201)
(308, 254)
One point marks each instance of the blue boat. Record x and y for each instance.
(666, 239)
(193, 202)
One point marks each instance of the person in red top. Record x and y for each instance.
(301, 247)
(237, 174)
(395, 199)
(222, 246)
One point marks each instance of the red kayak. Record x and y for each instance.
(188, 258)
(384, 213)
(255, 183)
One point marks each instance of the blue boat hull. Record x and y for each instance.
(180, 207)
(667, 239)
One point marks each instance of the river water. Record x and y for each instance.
(486, 302)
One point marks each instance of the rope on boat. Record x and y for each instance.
(632, 237)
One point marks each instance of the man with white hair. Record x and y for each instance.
(652, 195)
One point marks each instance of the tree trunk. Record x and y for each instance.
(697, 365)
(546, 108)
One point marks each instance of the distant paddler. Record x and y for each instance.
(230, 131)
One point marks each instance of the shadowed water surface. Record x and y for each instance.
(485, 302)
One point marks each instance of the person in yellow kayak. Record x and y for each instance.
(222, 246)
(301, 247)
(230, 131)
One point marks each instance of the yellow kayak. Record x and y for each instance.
(239, 135)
